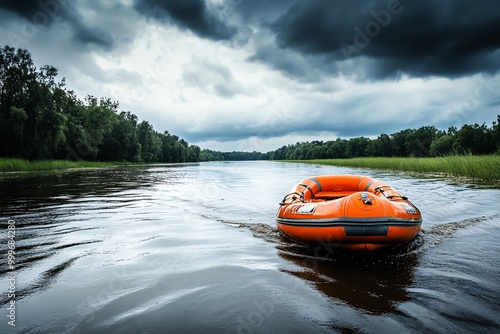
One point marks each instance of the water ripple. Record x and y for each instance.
(194, 248)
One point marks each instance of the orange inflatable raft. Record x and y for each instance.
(348, 211)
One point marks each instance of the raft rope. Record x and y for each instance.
(301, 194)
(382, 191)
(306, 187)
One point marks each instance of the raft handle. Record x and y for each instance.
(401, 196)
(301, 196)
(306, 187)
(391, 196)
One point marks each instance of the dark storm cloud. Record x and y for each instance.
(33, 12)
(30, 8)
(231, 133)
(189, 14)
(88, 35)
(388, 38)
(310, 124)
(261, 10)
(31, 15)
(289, 63)
(212, 77)
(84, 32)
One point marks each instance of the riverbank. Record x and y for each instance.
(20, 165)
(485, 168)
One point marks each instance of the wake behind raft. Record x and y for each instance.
(349, 211)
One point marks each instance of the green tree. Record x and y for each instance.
(357, 147)
(18, 94)
(193, 153)
(339, 149)
(399, 139)
(40, 119)
(121, 144)
(150, 143)
(475, 139)
(418, 142)
(31, 121)
(442, 146)
(495, 129)
(382, 146)
(50, 121)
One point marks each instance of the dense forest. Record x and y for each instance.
(210, 155)
(426, 141)
(42, 119)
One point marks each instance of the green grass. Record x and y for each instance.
(484, 167)
(15, 165)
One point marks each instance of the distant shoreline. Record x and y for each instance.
(21, 165)
(484, 168)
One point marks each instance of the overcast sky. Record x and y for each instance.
(259, 74)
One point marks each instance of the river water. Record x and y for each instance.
(193, 248)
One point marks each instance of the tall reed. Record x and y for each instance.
(11, 165)
(483, 167)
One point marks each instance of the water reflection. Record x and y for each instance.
(375, 283)
(57, 213)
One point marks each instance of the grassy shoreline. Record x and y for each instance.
(20, 165)
(484, 167)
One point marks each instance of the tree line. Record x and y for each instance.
(211, 155)
(41, 119)
(426, 141)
